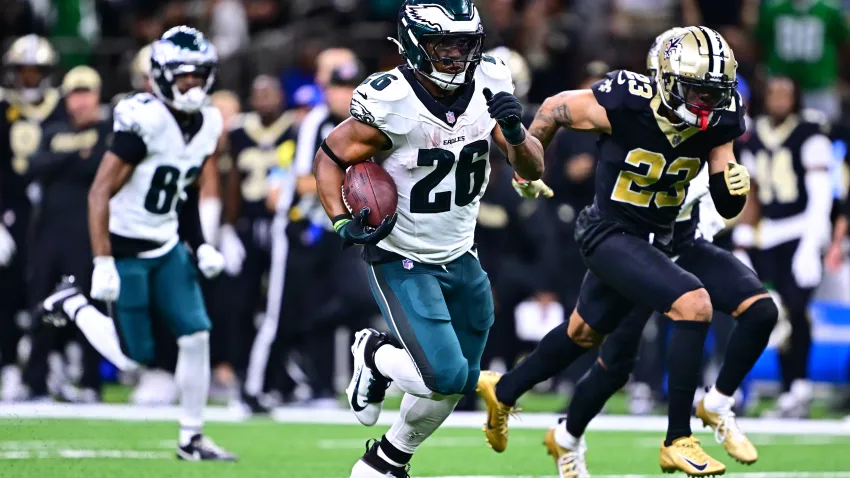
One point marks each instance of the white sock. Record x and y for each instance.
(193, 380)
(100, 332)
(396, 364)
(714, 400)
(73, 304)
(418, 419)
(564, 439)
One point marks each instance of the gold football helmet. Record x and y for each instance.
(140, 69)
(696, 75)
(652, 56)
(28, 64)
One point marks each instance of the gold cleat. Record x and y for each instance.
(685, 454)
(728, 434)
(570, 463)
(496, 427)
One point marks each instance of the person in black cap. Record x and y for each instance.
(65, 165)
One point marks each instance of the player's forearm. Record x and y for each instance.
(98, 202)
(329, 180)
(548, 120)
(527, 158)
(839, 232)
(819, 189)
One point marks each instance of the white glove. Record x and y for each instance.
(531, 189)
(105, 281)
(210, 261)
(744, 258)
(7, 247)
(232, 250)
(807, 266)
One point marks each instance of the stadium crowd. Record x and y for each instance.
(290, 292)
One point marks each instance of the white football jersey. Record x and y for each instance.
(439, 158)
(146, 207)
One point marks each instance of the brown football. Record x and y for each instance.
(369, 185)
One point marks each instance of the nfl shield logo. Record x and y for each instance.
(450, 117)
(407, 264)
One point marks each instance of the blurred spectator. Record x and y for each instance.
(65, 166)
(228, 27)
(801, 39)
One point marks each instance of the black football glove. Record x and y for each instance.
(356, 231)
(506, 109)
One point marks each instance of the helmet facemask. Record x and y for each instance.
(169, 61)
(451, 59)
(697, 102)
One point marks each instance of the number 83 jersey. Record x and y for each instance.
(146, 207)
(647, 162)
(438, 158)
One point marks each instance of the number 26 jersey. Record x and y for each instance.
(647, 162)
(438, 157)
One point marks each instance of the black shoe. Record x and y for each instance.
(380, 465)
(50, 311)
(254, 405)
(201, 448)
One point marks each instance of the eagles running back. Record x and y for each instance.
(438, 158)
(147, 206)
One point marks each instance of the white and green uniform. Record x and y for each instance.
(155, 269)
(425, 275)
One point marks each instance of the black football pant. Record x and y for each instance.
(56, 253)
(13, 284)
(774, 267)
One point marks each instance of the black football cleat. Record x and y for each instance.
(252, 403)
(201, 448)
(50, 311)
(373, 465)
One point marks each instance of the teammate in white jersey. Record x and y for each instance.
(143, 205)
(429, 124)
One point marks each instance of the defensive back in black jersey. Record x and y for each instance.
(647, 162)
(777, 158)
(256, 150)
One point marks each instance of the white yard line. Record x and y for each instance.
(535, 421)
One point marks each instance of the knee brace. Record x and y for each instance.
(762, 312)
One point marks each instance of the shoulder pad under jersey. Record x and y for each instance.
(140, 114)
(732, 123)
(494, 74)
(624, 90)
(382, 101)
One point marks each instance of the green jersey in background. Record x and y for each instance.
(801, 39)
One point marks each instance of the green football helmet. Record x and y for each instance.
(182, 50)
(445, 35)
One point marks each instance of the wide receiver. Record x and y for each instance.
(143, 205)
(655, 138)
(427, 124)
(734, 290)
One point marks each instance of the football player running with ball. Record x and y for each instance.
(428, 123)
(655, 137)
(734, 289)
(143, 205)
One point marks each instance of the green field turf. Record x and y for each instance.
(58, 448)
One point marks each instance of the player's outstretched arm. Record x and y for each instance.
(111, 175)
(575, 109)
(729, 182)
(524, 153)
(349, 143)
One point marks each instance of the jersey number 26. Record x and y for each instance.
(469, 176)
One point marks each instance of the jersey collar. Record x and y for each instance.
(446, 114)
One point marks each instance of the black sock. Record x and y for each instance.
(394, 453)
(591, 393)
(554, 353)
(684, 364)
(746, 345)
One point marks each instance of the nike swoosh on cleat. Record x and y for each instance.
(698, 467)
(354, 405)
(54, 298)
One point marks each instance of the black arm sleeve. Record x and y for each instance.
(190, 219)
(727, 205)
(129, 146)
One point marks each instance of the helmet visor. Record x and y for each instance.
(704, 96)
